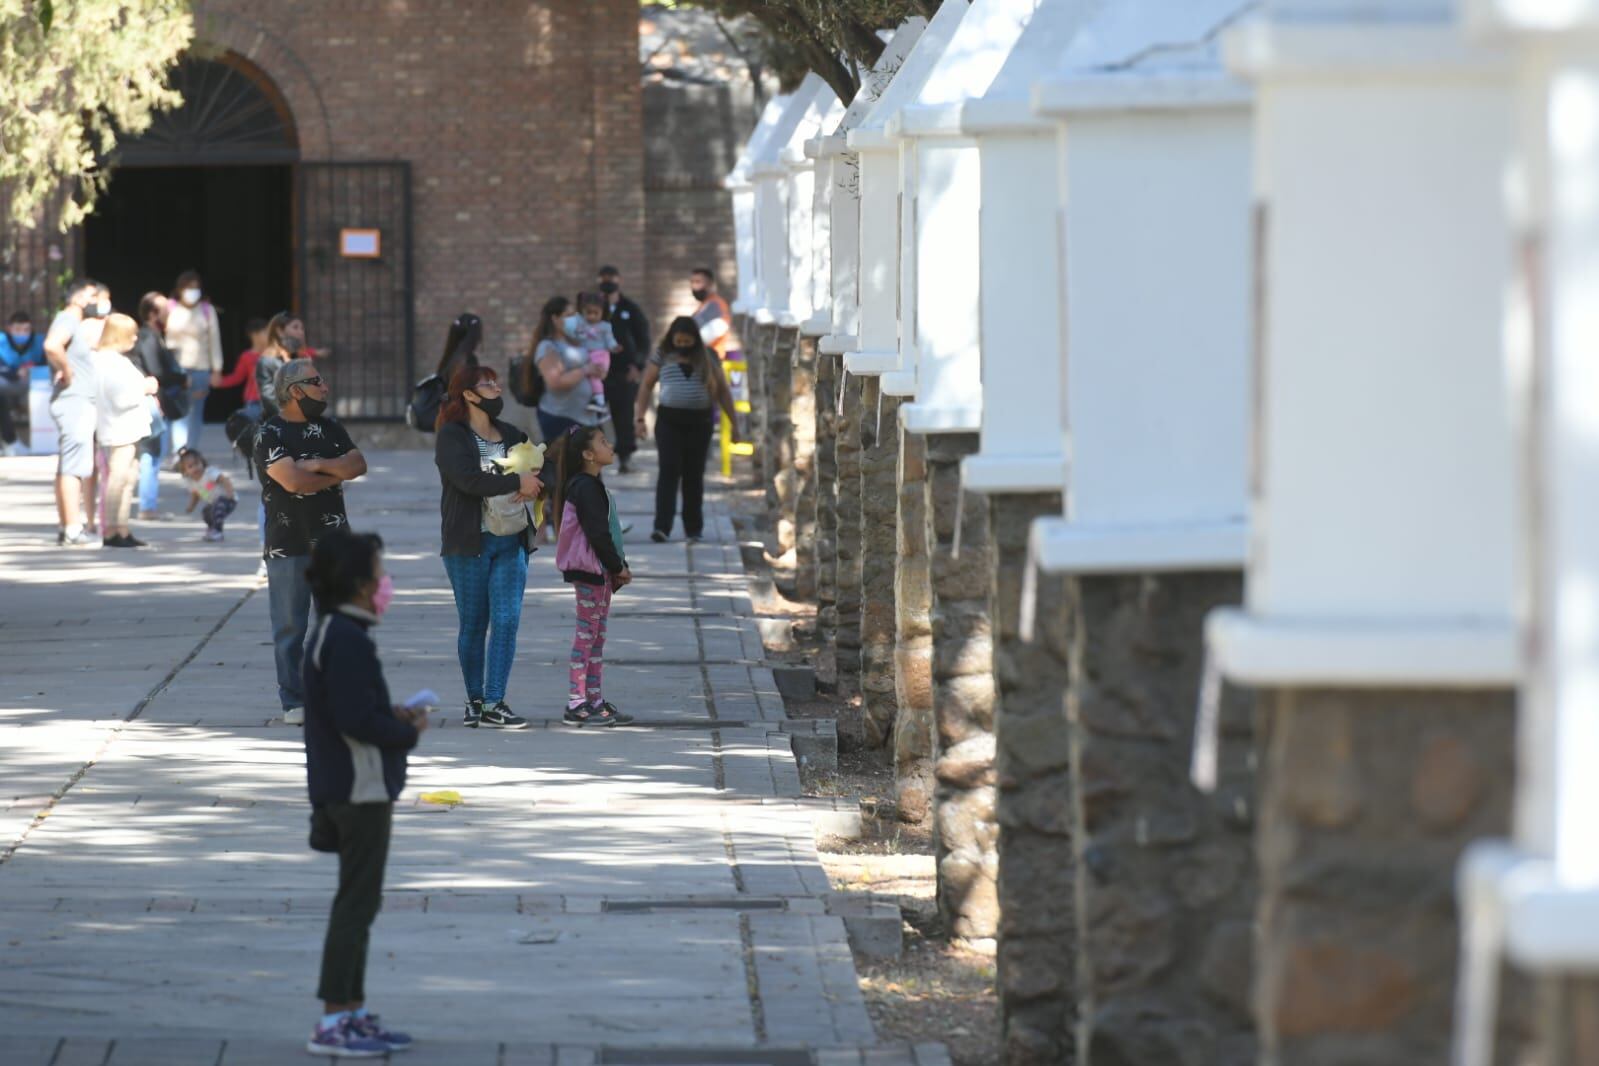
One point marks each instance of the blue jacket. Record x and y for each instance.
(355, 748)
(12, 359)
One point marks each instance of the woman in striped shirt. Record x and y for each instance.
(692, 387)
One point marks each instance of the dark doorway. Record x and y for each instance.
(234, 224)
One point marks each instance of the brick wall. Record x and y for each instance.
(520, 118)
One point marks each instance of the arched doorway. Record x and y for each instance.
(209, 186)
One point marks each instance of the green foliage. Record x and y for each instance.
(836, 39)
(77, 72)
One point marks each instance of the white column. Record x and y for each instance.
(745, 228)
(877, 345)
(1382, 545)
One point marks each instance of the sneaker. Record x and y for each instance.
(345, 1040)
(579, 716)
(658, 537)
(212, 536)
(623, 467)
(294, 716)
(473, 715)
(607, 714)
(261, 571)
(694, 538)
(80, 539)
(120, 540)
(598, 406)
(371, 1028)
(500, 716)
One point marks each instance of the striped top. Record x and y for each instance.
(487, 452)
(680, 387)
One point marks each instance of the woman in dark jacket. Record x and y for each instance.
(151, 355)
(487, 530)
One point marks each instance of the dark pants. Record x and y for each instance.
(622, 394)
(363, 852)
(14, 392)
(216, 512)
(683, 439)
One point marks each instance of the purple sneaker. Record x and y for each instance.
(371, 1028)
(344, 1040)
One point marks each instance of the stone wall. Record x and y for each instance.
(847, 545)
(879, 552)
(963, 694)
(782, 484)
(1368, 798)
(803, 415)
(1166, 887)
(913, 633)
(759, 343)
(828, 368)
(1036, 804)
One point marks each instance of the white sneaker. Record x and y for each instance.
(260, 571)
(294, 716)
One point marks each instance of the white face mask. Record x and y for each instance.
(104, 307)
(191, 296)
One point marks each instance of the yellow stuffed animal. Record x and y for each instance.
(525, 458)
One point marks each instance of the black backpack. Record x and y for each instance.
(527, 382)
(422, 413)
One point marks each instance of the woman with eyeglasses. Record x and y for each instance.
(487, 535)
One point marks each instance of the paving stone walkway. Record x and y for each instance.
(647, 896)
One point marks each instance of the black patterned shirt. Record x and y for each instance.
(295, 521)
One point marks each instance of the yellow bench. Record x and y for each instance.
(735, 369)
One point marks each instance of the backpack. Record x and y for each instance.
(527, 381)
(422, 413)
(241, 431)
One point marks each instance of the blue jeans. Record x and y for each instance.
(186, 430)
(488, 600)
(289, 599)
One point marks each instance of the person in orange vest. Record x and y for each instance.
(712, 316)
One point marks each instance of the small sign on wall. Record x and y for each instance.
(361, 243)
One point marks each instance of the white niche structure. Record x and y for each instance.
(1154, 146)
(742, 189)
(1538, 900)
(838, 201)
(877, 344)
(806, 248)
(1021, 318)
(941, 171)
(1382, 533)
(770, 177)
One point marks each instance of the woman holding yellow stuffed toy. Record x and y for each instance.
(491, 485)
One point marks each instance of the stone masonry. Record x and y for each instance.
(913, 635)
(879, 503)
(1036, 803)
(963, 694)
(847, 448)
(1368, 798)
(1166, 883)
(828, 368)
(782, 484)
(803, 419)
(758, 359)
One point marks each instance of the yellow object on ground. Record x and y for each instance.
(445, 798)
(735, 370)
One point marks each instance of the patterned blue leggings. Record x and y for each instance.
(488, 598)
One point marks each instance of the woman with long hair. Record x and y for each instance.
(461, 343)
(692, 387)
(486, 537)
(568, 374)
(193, 332)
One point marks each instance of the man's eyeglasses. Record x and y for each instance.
(316, 380)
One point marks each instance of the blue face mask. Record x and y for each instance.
(20, 337)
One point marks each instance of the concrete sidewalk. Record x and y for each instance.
(646, 896)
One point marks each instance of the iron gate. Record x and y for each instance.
(359, 305)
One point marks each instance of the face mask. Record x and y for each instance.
(608, 287)
(191, 296)
(92, 310)
(700, 294)
(312, 408)
(383, 596)
(21, 337)
(492, 405)
(290, 344)
(102, 308)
